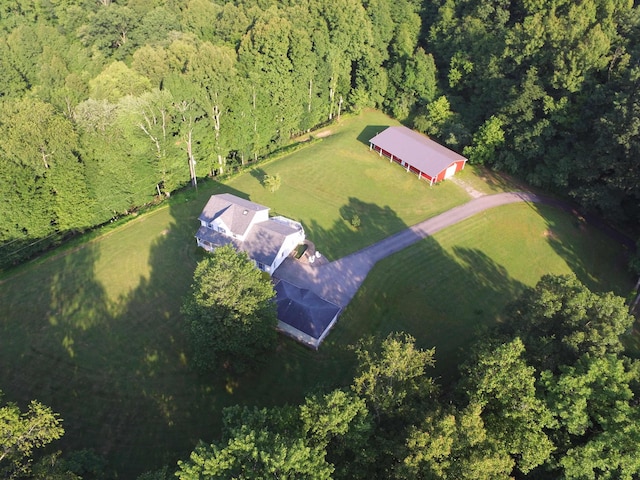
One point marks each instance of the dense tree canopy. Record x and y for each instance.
(510, 415)
(285, 442)
(560, 320)
(230, 311)
(131, 95)
(106, 104)
(23, 432)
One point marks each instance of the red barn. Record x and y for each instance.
(418, 153)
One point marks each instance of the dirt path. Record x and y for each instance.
(468, 188)
(338, 281)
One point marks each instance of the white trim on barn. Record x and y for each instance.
(417, 153)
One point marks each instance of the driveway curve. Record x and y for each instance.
(338, 281)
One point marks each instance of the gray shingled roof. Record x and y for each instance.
(265, 239)
(303, 309)
(215, 238)
(235, 212)
(416, 149)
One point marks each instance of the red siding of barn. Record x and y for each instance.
(426, 177)
(459, 166)
(421, 175)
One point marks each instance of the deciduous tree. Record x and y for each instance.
(258, 443)
(598, 431)
(454, 444)
(23, 432)
(500, 381)
(392, 375)
(560, 320)
(229, 312)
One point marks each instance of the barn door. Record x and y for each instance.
(450, 171)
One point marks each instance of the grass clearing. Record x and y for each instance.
(95, 332)
(447, 288)
(325, 185)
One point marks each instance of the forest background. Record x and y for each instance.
(109, 105)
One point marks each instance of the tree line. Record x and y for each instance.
(106, 105)
(548, 393)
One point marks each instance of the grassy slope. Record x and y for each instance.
(324, 185)
(96, 333)
(445, 289)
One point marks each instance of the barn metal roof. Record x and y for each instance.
(416, 149)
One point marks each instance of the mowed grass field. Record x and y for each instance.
(96, 332)
(447, 289)
(324, 185)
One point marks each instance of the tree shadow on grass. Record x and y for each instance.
(343, 237)
(122, 380)
(171, 406)
(595, 252)
(115, 367)
(258, 173)
(60, 348)
(369, 132)
(446, 300)
(500, 181)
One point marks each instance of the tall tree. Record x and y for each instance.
(598, 434)
(454, 444)
(43, 184)
(392, 375)
(340, 423)
(500, 381)
(229, 312)
(560, 320)
(116, 81)
(154, 117)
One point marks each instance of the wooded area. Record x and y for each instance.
(106, 105)
(109, 105)
(529, 404)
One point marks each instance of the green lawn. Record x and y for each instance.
(325, 184)
(447, 288)
(96, 332)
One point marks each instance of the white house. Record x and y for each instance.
(228, 219)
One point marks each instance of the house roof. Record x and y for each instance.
(304, 310)
(262, 244)
(416, 149)
(265, 240)
(216, 239)
(236, 213)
